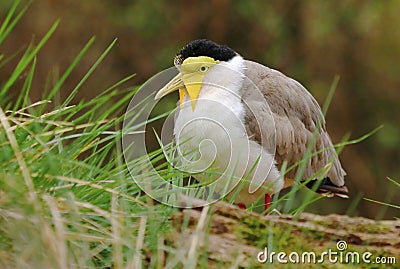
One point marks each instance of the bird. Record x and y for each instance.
(248, 121)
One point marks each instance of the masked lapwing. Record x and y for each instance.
(257, 118)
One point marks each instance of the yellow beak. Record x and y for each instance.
(175, 84)
(189, 84)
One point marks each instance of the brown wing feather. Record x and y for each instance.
(296, 115)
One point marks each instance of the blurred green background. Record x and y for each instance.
(310, 41)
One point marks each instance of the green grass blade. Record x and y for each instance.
(382, 203)
(5, 61)
(358, 140)
(8, 25)
(26, 60)
(94, 66)
(394, 182)
(22, 99)
(66, 74)
(330, 95)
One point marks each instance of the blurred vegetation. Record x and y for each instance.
(311, 41)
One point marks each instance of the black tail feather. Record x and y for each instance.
(327, 188)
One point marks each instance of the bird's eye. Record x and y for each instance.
(203, 68)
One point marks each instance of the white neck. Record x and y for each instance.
(228, 75)
(222, 85)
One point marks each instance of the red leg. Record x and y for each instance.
(267, 201)
(241, 206)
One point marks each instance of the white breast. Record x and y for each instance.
(215, 124)
(214, 137)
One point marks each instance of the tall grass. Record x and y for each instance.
(67, 199)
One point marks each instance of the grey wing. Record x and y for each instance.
(297, 118)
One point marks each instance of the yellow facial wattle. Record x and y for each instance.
(190, 79)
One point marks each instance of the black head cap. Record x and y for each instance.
(205, 47)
